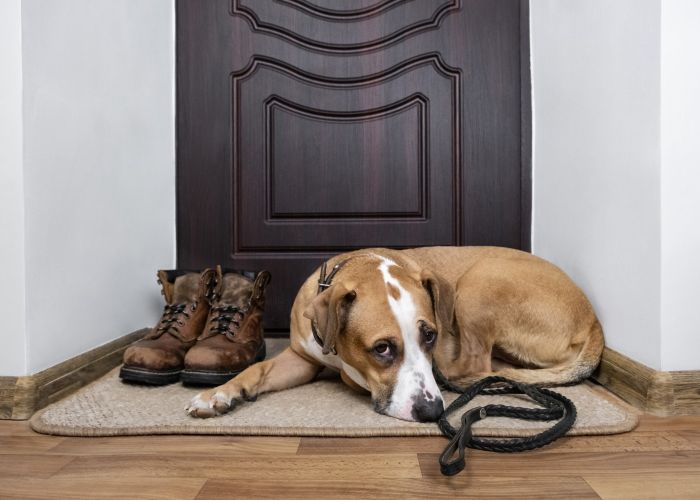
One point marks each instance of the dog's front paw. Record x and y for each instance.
(209, 403)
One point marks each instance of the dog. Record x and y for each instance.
(382, 318)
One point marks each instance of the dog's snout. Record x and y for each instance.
(427, 411)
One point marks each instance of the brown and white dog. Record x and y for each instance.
(388, 315)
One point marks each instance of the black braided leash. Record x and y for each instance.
(555, 406)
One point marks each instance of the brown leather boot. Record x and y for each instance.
(159, 357)
(233, 339)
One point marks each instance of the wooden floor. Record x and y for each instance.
(661, 459)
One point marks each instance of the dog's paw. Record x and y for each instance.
(209, 404)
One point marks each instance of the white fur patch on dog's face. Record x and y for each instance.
(415, 376)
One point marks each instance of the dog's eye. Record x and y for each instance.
(429, 335)
(383, 349)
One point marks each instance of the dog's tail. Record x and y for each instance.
(572, 372)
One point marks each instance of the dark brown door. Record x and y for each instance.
(311, 127)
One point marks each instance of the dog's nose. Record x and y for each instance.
(427, 411)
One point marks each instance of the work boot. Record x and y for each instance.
(159, 357)
(232, 339)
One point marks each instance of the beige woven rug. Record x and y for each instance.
(326, 407)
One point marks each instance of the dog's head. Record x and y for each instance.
(384, 324)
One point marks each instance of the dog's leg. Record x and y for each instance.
(284, 371)
(464, 375)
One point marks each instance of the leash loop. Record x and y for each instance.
(555, 407)
(459, 442)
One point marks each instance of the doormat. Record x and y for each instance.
(325, 407)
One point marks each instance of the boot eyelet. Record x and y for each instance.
(194, 306)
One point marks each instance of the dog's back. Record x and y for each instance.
(518, 307)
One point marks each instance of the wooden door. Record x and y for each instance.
(312, 127)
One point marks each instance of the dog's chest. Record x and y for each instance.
(333, 361)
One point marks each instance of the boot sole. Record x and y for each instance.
(199, 377)
(149, 377)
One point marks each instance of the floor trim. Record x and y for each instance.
(21, 396)
(656, 392)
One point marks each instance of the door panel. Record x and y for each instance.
(319, 161)
(311, 127)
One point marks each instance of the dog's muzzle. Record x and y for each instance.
(427, 411)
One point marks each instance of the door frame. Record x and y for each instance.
(525, 129)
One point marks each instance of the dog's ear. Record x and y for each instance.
(443, 298)
(329, 312)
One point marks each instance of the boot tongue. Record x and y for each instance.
(186, 288)
(235, 290)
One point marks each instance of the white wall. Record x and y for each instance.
(596, 214)
(12, 330)
(98, 169)
(617, 166)
(680, 184)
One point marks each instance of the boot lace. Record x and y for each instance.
(228, 319)
(170, 320)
